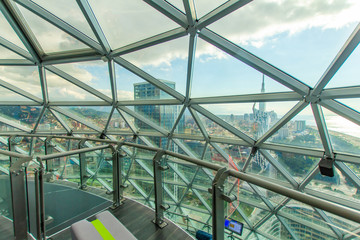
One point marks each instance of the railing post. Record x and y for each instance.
(218, 196)
(117, 177)
(17, 179)
(11, 145)
(159, 206)
(82, 165)
(49, 148)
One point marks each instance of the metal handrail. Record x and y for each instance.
(313, 201)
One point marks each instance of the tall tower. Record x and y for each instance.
(262, 106)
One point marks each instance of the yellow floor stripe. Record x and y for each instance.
(105, 234)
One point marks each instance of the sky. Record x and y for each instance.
(299, 37)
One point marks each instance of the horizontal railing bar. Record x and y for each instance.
(336, 209)
(14, 154)
(72, 152)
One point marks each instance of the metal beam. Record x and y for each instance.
(43, 84)
(223, 124)
(16, 62)
(94, 24)
(348, 173)
(342, 110)
(157, 83)
(77, 118)
(169, 11)
(49, 17)
(340, 58)
(13, 124)
(20, 91)
(249, 98)
(145, 120)
(16, 49)
(220, 12)
(337, 93)
(82, 55)
(323, 132)
(131, 125)
(112, 75)
(189, 6)
(149, 42)
(199, 124)
(78, 83)
(22, 30)
(255, 62)
(190, 66)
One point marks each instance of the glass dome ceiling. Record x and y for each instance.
(216, 80)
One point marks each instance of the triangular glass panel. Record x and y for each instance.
(273, 227)
(214, 129)
(92, 73)
(70, 12)
(345, 76)
(51, 38)
(49, 123)
(98, 116)
(339, 186)
(218, 74)
(25, 76)
(144, 21)
(300, 131)
(191, 127)
(73, 124)
(299, 166)
(253, 119)
(8, 33)
(308, 38)
(166, 61)
(7, 54)
(61, 90)
(237, 155)
(23, 115)
(203, 7)
(132, 87)
(7, 95)
(261, 166)
(117, 123)
(344, 134)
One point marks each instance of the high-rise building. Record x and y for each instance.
(163, 115)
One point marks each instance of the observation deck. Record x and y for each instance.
(45, 194)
